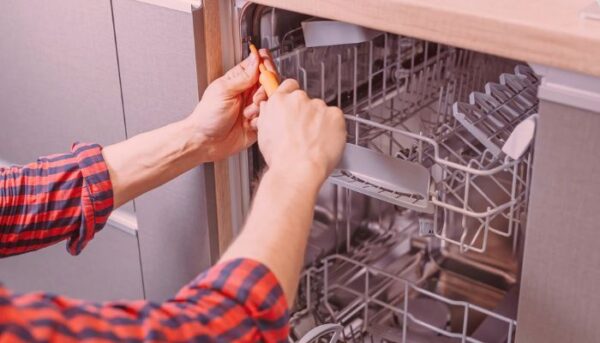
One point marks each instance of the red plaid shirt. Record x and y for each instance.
(69, 196)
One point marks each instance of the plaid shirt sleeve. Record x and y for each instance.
(236, 301)
(66, 196)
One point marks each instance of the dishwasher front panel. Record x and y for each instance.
(386, 263)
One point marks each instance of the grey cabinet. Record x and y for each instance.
(102, 71)
(107, 269)
(560, 300)
(59, 83)
(59, 80)
(157, 59)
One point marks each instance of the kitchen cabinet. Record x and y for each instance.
(107, 269)
(59, 83)
(559, 292)
(102, 71)
(158, 69)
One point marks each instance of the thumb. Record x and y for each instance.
(243, 75)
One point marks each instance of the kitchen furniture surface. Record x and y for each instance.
(109, 269)
(546, 32)
(102, 71)
(157, 61)
(58, 86)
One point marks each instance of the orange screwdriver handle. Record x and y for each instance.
(267, 78)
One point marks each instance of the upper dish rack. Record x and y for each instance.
(415, 100)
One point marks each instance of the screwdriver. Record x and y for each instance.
(267, 78)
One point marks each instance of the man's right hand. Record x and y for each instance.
(299, 134)
(302, 141)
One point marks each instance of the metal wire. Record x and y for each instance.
(446, 108)
(367, 302)
(388, 84)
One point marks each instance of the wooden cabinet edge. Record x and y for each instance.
(209, 61)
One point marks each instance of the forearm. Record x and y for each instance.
(202, 311)
(150, 159)
(278, 226)
(65, 196)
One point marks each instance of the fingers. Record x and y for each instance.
(266, 56)
(267, 59)
(253, 120)
(253, 58)
(288, 86)
(254, 123)
(243, 75)
(251, 110)
(250, 131)
(259, 96)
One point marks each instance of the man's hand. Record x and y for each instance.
(298, 134)
(222, 118)
(218, 127)
(302, 141)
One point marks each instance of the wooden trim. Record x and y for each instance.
(548, 32)
(213, 58)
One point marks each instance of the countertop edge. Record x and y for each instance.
(462, 29)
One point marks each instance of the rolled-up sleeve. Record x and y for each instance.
(236, 301)
(243, 301)
(59, 197)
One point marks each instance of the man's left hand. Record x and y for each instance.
(223, 116)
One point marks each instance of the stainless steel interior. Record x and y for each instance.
(385, 265)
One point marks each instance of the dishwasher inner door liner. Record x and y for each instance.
(417, 234)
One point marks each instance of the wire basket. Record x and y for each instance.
(379, 306)
(414, 100)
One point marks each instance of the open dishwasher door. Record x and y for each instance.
(417, 235)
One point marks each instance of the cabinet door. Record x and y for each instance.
(157, 58)
(59, 83)
(59, 80)
(107, 269)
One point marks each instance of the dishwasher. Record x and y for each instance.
(418, 233)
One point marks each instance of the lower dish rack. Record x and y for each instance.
(393, 285)
(357, 297)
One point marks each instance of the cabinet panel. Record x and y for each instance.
(157, 58)
(559, 299)
(59, 83)
(107, 269)
(59, 80)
